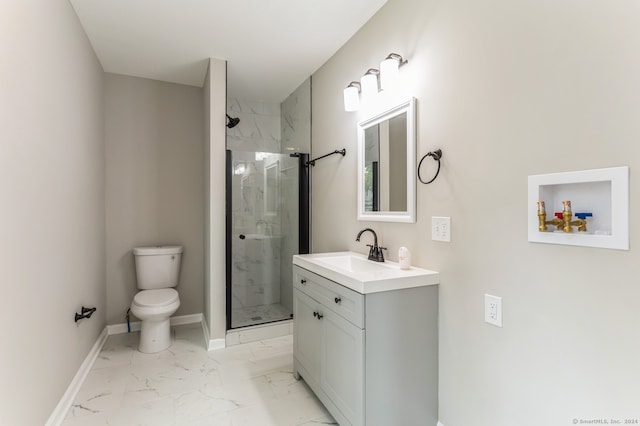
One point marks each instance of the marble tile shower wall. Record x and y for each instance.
(255, 261)
(296, 137)
(259, 128)
(288, 221)
(296, 120)
(259, 275)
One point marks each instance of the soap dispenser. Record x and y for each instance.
(404, 258)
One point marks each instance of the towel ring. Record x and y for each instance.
(437, 155)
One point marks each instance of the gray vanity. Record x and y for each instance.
(366, 338)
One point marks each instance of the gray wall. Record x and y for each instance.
(51, 205)
(154, 183)
(206, 181)
(506, 90)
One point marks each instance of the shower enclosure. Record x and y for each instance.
(267, 204)
(266, 197)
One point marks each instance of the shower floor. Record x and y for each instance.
(254, 315)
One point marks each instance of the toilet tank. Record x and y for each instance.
(157, 267)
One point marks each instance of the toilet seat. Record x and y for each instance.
(156, 298)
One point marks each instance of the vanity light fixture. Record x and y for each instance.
(373, 81)
(352, 96)
(389, 70)
(369, 83)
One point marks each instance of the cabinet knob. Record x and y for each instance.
(320, 316)
(337, 300)
(303, 281)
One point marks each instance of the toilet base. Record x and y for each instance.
(155, 336)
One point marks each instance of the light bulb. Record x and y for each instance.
(369, 83)
(389, 73)
(351, 98)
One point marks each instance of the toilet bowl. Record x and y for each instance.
(157, 271)
(153, 308)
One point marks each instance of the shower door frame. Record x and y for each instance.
(304, 222)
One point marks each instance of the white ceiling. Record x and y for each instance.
(271, 46)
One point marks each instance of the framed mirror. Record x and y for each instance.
(386, 165)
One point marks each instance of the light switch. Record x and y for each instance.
(441, 229)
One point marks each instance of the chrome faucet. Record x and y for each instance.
(375, 253)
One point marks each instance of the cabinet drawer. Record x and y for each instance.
(341, 300)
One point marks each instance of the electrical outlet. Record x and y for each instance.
(441, 229)
(493, 310)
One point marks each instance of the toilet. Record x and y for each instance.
(157, 272)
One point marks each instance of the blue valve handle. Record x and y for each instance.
(583, 216)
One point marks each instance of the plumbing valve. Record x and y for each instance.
(562, 219)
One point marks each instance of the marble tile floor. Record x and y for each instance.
(250, 384)
(254, 315)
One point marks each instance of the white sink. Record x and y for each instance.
(356, 272)
(354, 263)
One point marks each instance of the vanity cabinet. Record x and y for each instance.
(328, 346)
(370, 358)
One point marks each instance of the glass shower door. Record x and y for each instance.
(262, 214)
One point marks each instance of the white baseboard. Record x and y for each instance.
(215, 344)
(205, 332)
(135, 326)
(60, 412)
(186, 319)
(209, 343)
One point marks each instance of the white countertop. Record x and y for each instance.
(356, 272)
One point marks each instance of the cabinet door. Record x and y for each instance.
(307, 336)
(343, 366)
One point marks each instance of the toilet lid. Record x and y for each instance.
(160, 297)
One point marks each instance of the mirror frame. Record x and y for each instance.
(408, 216)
